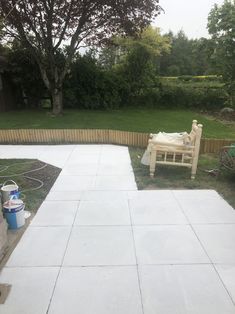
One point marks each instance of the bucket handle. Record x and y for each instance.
(9, 181)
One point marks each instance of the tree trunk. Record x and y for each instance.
(57, 101)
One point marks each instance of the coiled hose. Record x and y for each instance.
(24, 174)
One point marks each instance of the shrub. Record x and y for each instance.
(207, 78)
(185, 78)
(149, 97)
(189, 96)
(91, 87)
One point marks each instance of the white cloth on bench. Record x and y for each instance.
(181, 139)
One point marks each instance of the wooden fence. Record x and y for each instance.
(67, 136)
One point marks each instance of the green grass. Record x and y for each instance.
(170, 177)
(136, 120)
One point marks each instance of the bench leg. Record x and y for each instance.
(194, 167)
(152, 165)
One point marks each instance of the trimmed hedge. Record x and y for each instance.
(206, 97)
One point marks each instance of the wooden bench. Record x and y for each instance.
(184, 154)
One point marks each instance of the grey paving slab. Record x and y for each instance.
(114, 148)
(93, 246)
(193, 194)
(28, 151)
(64, 196)
(156, 210)
(73, 183)
(31, 290)
(103, 196)
(40, 246)
(113, 212)
(55, 156)
(184, 289)
(218, 241)
(117, 169)
(151, 195)
(76, 169)
(11, 151)
(207, 207)
(56, 213)
(87, 149)
(99, 290)
(84, 159)
(227, 274)
(83, 234)
(168, 245)
(115, 183)
(114, 159)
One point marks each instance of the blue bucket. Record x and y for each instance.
(14, 213)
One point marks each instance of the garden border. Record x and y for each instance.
(98, 136)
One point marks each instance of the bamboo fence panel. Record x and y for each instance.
(63, 136)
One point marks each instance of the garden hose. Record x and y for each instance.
(24, 174)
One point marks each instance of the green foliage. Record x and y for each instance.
(221, 25)
(215, 79)
(43, 27)
(89, 86)
(26, 75)
(132, 81)
(187, 56)
(207, 78)
(173, 70)
(135, 60)
(185, 78)
(150, 39)
(139, 120)
(184, 92)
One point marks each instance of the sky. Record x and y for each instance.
(189, 15)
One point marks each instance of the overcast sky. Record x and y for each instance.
(189, 15)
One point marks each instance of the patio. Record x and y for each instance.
(97, 245)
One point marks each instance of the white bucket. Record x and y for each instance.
(9, 190)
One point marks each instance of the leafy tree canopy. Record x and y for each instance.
(44, 26)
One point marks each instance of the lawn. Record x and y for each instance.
(136, 120)
(168, 177)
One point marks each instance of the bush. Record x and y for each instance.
(207, 78)
(189, 96)
(185, 78)
(91, 87)
(148, 97)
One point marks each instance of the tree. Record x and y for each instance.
(21, 65)
(141, 60)
(221, 26)
(179, 60)
(201, 62)
(136, 58)
(44, 26)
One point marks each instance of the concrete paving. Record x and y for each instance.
(97, 245)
